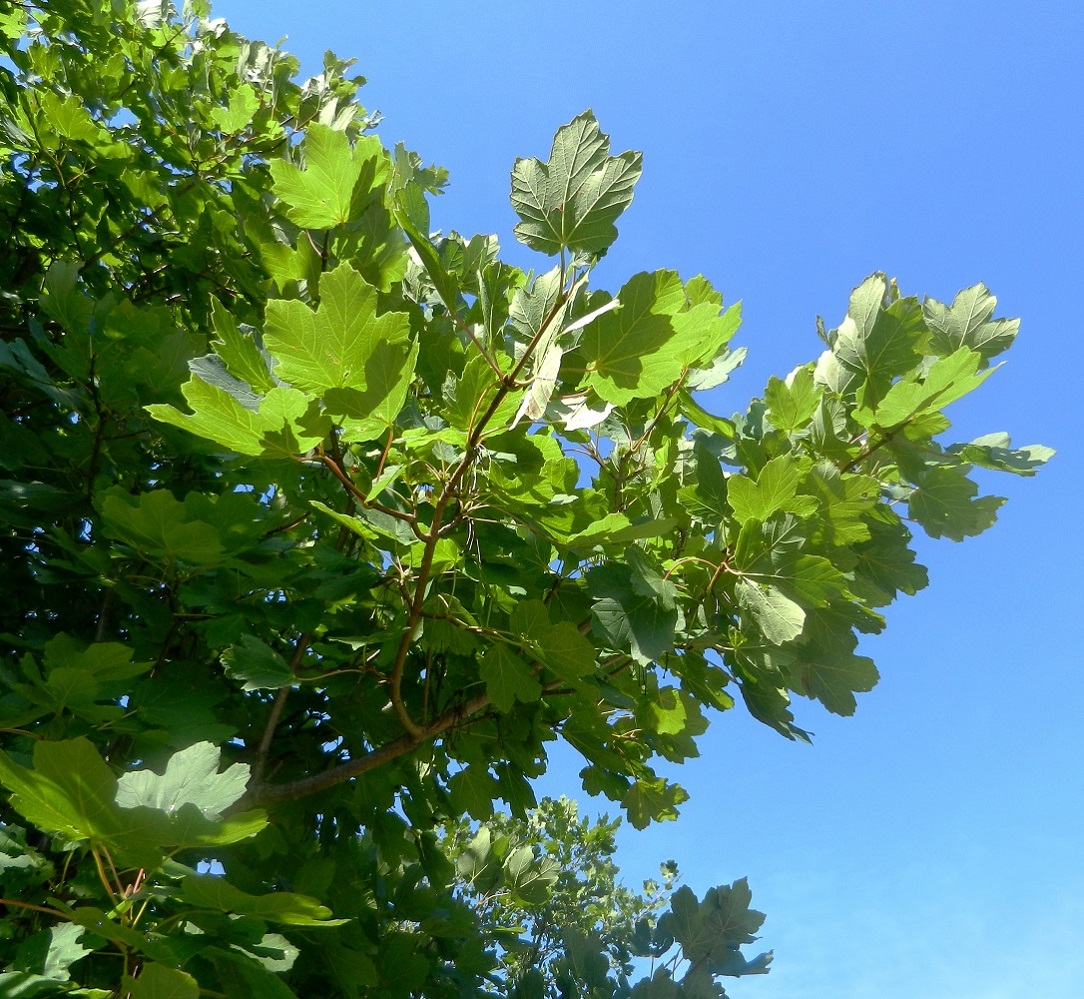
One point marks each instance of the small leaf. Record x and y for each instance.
(879, 341)
(473, 791)
(792, 402)
(650, 801)
(239, 351)
(775, 489)
(995, 451)
(257, 665)
(243, 102)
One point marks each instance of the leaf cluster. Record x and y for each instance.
(319, 527)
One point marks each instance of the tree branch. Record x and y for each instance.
(262, 794)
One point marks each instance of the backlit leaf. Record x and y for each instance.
(572, 201)
(336, 345)
(330, 188)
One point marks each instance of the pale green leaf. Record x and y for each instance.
(239, 351)
(330, 189)
(775, 489)
(275, 428)
(242, 105)
(995, 451)
(191, 777)
(793, 401)
(336, 345)
(776, 615)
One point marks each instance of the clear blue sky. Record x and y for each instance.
(930, 846)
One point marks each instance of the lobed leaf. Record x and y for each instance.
(571, 201)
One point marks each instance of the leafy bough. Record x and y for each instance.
(320, 527)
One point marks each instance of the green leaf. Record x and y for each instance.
(948, 379)
(207, 892)
(275, 428)
(572, 201)
(158, 526)
(239, 351)
(507, 678)
(669, 711)
(238, 113)
(701, 334)
(156, 981)
(65, 299)
(615, 529)
(49, 953)
(719, 371)
(473, 791)
(945, 504)
(257, 665)
(69, 791)
(559, 647)
(366, 414)
(245, 978)
(191, 777)
(335, 346)
(635, 610)
(969, 322)
(876, 340)
(331, 188)
(779, 618)
(622, 352)
(103, 661)
(68, 118)
(700, 417)
(775, 489)
(793, 401)
(833, 677)
(886, 564)
(653, 800)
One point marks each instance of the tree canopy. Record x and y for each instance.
(319, 527)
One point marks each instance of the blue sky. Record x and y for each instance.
(931, 845)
